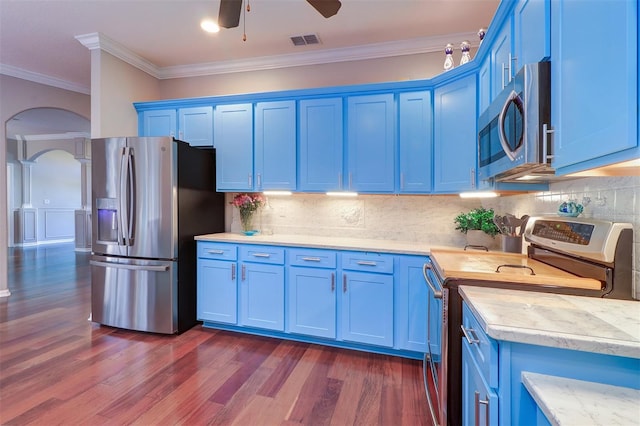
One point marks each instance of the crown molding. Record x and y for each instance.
(43, 79)
(356, 53)
(94, 41)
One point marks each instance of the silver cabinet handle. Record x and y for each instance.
(546, 143)
(259, 180)
(350, 181)
(367, 263)
(215, 251)
(233, 272)
(344, 283)
(339, 180)
(467, 335)
(162, 268)
(333, 282)
(401, 180)
(484, 402)
(503, 69)
(472, 177)
(243, 273)
(311, 259)
(436, 294)
(250, 180)
(267, 255)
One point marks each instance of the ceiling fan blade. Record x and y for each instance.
(327, 8)
(229, 13)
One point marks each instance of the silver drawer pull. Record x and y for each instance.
(267, 255)
(367, 263)
(215, 251)
(477, 404)
(467, 335)
(311, 259)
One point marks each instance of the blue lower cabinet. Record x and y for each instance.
(479, 401)
(312, 301)
(217, 294)
(367, 308)
(262, 296)
(410, 307)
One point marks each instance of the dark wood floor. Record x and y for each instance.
(59, 368)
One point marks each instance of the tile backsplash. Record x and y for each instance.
(429, 218)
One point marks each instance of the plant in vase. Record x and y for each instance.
(477, 221)
(248, 204)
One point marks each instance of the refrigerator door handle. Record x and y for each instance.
(124, 220)
(162, 268)
(127, 196)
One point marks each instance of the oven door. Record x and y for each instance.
(435, 360)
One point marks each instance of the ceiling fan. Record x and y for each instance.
(229, 13)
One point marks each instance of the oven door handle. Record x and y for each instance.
(436, 293)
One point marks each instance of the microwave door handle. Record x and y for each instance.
(501, 121)
(124, 220)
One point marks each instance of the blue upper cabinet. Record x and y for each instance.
(455, 136)
(320, 145)
(275, 146)
(531, 32)
(484, 85)
(594, 81)
(161, 122)
(195, 125)
(370, 143)
(233, 140)
(502, 60)
(415, 141)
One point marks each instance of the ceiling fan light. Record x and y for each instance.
(209, 26)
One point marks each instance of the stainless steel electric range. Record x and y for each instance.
(566, 255)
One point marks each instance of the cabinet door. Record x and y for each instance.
(416, 142)
(455, 150)
(371, 136)
(312, 301)
(410, 310)
(594, 107)
(196, 126)
(367, 308)
(275, 145)
(501, 60)
(531, 32)
(158, 123)
(484, 85)
(217, 294)
(233, 140)
(262, 296)
(321, 145)
(479, 402)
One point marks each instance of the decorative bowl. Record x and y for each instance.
(250, 233)
(570, 209)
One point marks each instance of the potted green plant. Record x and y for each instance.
(478, 225)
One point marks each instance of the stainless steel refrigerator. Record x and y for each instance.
(150, 197)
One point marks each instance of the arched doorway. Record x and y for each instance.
(48, 178)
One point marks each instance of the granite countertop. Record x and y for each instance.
(360, 244)
(575, 402)
(590, 324)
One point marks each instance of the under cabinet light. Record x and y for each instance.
(479, 194)
(342, 194)
(276, 193)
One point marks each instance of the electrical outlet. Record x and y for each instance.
(47, 201)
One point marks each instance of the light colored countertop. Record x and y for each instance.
(589, 324)
(360, 244)
(576, 402)
(481, 265)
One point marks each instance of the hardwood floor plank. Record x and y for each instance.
(56, 367)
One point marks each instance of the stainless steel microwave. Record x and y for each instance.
(513, 133)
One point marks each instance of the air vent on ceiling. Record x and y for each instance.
(303, 40)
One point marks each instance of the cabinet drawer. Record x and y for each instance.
(312, 258)
(262, 254)
(368, 262)
(220, 251)
(483, 349)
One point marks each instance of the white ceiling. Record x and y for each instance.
(38, 37)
